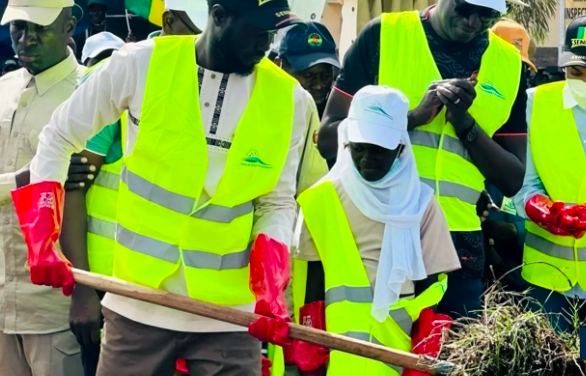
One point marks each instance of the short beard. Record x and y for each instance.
(244, 71)
(232, 63)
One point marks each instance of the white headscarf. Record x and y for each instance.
(399, 201)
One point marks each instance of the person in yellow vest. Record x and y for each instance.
(467, 100)
(552, 197)
(211, 165)
(91, 247)
(374, 241)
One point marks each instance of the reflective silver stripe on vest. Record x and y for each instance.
(552, 249)
(208, 260)
(432, 140)
(156, 194)
(223, 214)
(364, 295)
(455, 190)
(101, 227)
(147, 245)
(362, 336)
(423, 138)
(403, 319)
(108, 180)
(347, 293)
(455, 146)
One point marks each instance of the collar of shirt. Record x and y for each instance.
(48, 78)
(155, 34)
(568, 98)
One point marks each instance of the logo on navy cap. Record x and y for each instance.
(315, 40)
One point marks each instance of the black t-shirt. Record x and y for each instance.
(454, 60)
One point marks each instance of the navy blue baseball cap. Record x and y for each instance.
(263, 14)
(308, 44)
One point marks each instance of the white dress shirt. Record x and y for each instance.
(26, 105)
(119, 85)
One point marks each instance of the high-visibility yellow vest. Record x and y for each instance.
(101, 203)
(444, 164)
(161, 222)
(348, 292)
(561, 164)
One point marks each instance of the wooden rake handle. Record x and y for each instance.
(233, 316)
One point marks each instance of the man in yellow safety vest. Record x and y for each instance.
(91, 247)
(375, 235)
(212, 165)
(553, 196)
(467, 99)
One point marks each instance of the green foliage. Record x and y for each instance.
(535, 17)
(510, 339)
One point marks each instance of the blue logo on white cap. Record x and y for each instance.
(378, 109)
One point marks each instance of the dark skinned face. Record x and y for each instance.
(241, 44)
(462, 22)
(372, 161)
(40, 47)
(317, 80)
(178, 23)
(97, 13)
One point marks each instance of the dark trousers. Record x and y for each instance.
(90, 355)
(133, 349)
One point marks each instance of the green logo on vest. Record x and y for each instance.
(253, 160)
(488, 88)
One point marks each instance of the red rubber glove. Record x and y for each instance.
(275, 331)
(573, 219)
(427, 335)
(545, 213)
(181, 367)
(270, 273)
(266, 366)
(310, 359)
(40, 211)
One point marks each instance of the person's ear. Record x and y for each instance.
(70, 25)
(168, 19)
(218, 14)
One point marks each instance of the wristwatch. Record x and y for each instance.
(470, 135)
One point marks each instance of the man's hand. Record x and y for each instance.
(501, 232)
(80, 173)
(546, 214)
(572, 218)
(484, 206)
(39, 208)
(428, 109)
(85, 315)
(458, 95)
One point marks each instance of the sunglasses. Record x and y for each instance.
(466, 10)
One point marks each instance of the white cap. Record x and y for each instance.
(40, 12)
(197, 10)
(378, 115)
(498, 5)
(96, 44)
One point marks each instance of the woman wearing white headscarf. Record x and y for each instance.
(374, 234)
